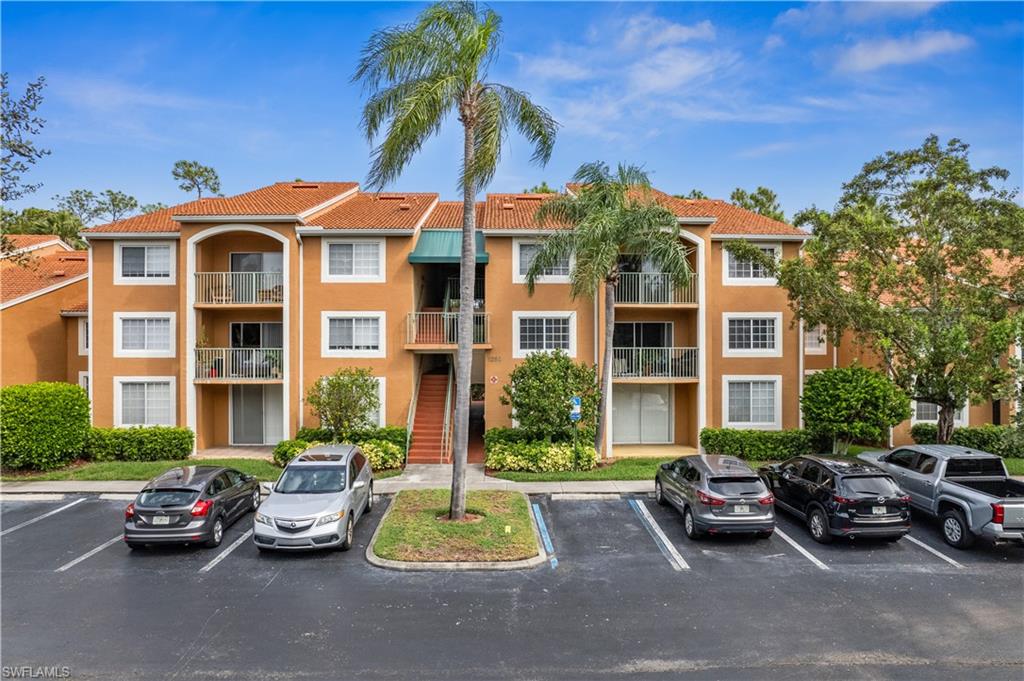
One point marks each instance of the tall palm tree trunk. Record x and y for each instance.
(606, 363)
(464, 355)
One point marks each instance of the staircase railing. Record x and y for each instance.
(446, 430)
(411, 418)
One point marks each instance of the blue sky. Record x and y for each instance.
(709, 95)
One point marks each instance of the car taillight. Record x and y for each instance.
(129, 511)
(843, 500)
(905, 499)
(998, 514)
(766, 500)
(202, 507)
(709, 500)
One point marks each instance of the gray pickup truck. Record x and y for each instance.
(968, 490)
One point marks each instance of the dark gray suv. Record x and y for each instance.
(716, 495)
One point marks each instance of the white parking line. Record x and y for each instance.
(30, 497)
(668, 549)
(76, 561)
(934, 551)
(802, 550)
(118, 497)
(40, 517)
(224, 554)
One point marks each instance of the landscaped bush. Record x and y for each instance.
(286, 450)
(383, 454)
(43, 425)
(503, 435)
(539, 390)
(392, 434)
(1001, 440)
(315, 435)
(149, 443)
(924, 433)
(540, 456)
(759, 445)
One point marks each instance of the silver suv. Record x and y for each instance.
(317, 501)
(716, 495)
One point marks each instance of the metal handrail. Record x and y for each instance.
(411, 418)
(239, 363)
(653, 288)
(441, 328)
(446, 430)
(239, 288)
(654, 362)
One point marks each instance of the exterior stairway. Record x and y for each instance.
(428, 423)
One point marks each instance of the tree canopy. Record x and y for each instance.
(541, 188)
(193, 176)
(41, 221)
(20, 123)
(762, 201)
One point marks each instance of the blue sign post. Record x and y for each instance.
(574, 407)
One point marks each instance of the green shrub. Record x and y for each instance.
(392, 434)
(539, 390)
(988, 438)
(924, 433)
(1013, 442)
(315, 435)
(43, 425)
(383, 454)
(143, 443)
(540, 456)
(344, 400)
(758, 445)
(286, 450)
(503, 435)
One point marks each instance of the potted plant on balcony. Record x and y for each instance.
(205, 364)
(274, 360)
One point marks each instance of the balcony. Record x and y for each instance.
(238, 289)
(439, 330)
(239, 365)
(653, 288)
(654, 365)
(452, 288)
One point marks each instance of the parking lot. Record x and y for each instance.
(625, 594)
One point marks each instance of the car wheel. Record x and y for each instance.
(955, 530)
(256, 498)
(347, 542)
(659, 493)
(369, 499)
(817, 523)
(216, 534)
(690, 525)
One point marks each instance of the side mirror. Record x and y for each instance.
(665, 466)
(247, 477)
(358, 484)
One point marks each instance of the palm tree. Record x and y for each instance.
(416, 75)
(610, 214)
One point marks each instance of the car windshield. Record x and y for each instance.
(733, 485)
(974, 466)
(874, 485)
(166, 497)
(311, 480)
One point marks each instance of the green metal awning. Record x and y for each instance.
(444, 246)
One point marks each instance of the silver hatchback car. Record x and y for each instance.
(317, 501)
(716, 495)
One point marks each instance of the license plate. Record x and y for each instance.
(879, 510)
(741, 508)
(161, 520)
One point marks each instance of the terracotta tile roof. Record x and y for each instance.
(448, 215)
(375, 211)
(282, 198)
(41, 272)
(157, 221)
(513, 211)
(20, 241)
(78, 306)
(729, 218)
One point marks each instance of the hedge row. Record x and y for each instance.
(152, 443)
(758, 445)
(511, 449)
(393, 434)
(382, 454)
(1001, 440)
(43, 425)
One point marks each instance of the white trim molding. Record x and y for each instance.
(120, 351)
(325, 261)
(519, 278)
(83, 336)
(728, 380)
(172, 259)
(727, 258)
(760, 237)
(119, 380)
(519, 353)
(325, 333)
(382, 395)
(740, 352)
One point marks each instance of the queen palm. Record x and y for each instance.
(416, 76)
(610, 214)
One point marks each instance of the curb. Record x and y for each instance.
(458, 566)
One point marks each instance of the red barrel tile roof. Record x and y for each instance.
(40, 273)
(448, 215)
(376, 211)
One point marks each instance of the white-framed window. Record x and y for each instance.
(740, 272)
(752, 334)
(523, 253)
(83, 380)
(353, 261)
(83, 335)
(144, 263)
(752, 402)
(543, 332)
(144, 401)
(144, 334)
(815, 342)
(353, 334)
(928, 412)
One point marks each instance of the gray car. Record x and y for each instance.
(716, 495)
(317, 501)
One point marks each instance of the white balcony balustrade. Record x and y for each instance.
(441, 328)
(662, 363)
(653, 288)
(239, 364)
(239, 288)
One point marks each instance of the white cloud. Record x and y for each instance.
(869, 55)
(650, 32)
(98, 94)
(822, 17)
(673, 67)
(553, 68)
(773, 42)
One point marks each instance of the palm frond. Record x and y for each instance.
(533, 122)
(488, 137)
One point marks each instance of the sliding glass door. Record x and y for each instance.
(642, 414)
(256, 414)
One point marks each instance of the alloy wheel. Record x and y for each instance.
(255, 498)
(953, 530)
(688, 522)
(658, 494)
(349, 533)
(218, 531)
(817, 526)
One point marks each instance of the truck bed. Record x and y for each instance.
(1006, 488)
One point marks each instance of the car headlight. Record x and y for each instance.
(332, 518)
(264, 519)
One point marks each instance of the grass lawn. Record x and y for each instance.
(1014, 466)
(412, 531)
(144, 470)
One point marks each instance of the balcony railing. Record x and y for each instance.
(441, 328)
(653, 288)
(239, 288)
(654, 362)
(229, 364)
